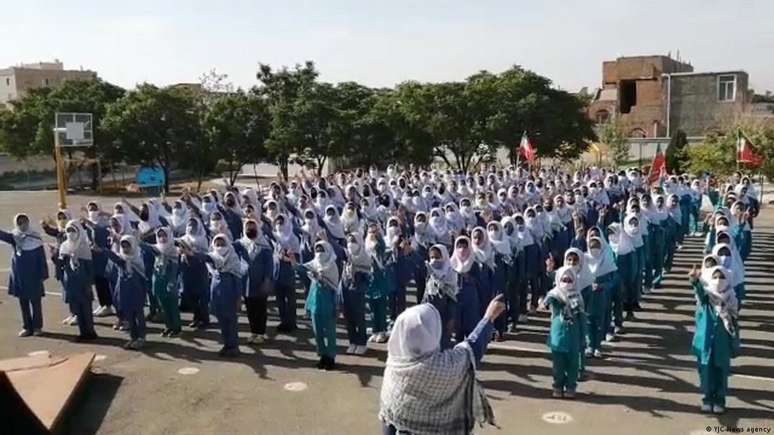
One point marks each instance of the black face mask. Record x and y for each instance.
(230, 203)
(548, 207)
(144, 215)
(251, 234)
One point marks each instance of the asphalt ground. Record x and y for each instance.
(647, 383)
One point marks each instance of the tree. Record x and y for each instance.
(28, 128)
(676, 155)
(154, 126)
(613, 136)
(718, 152)
(236, 126)
(717, 155)
(281, 89)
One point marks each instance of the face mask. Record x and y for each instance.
(251, 234)
(24, 227)
(576, 268)
(125, 251)
(565, 286)
(353, 248)
(724, 259)
(321, 257)
(494, 234)
(209, 207)
(716, 284)
(722, 227)
(72, 236)
(420, 226)
(221, 250)
(178, 211)
(436, 263)
(93, 216)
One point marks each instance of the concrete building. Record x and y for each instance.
(15, 81)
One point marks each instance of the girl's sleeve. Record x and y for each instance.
(698, 289)
(479, 338)
(7, 237)
(53, 232)
(115, 258)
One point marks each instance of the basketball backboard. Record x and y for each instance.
(74, 129)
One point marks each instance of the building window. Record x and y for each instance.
(45, 82)
(628, 95)
(8, 81)
(727, 87)
(602, 116)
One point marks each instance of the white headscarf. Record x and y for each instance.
(723, 299)
(416, 334)
(324, 265)
(253, 246)
(498, 239)
(195, 239)
(462, 259)
(442, 281)
(134, 262)
(569, 297)
(735, 265)
(333, 223)
(27, 240)
(228, 263)
(620, 242)
(602, 264)
(285, 236)
(78, 248)
(583, 273)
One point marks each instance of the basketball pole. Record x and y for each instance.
(60, 171)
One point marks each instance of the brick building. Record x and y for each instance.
(15, 81)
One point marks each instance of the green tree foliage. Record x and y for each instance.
(676, 154)
(718, 152)
(282, 89)
(154, 126)
(613, 136)
(236, 127)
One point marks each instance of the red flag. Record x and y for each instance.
(658, 167)
(526, 149)
(745, 152)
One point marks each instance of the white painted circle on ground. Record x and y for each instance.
(100, 357)
(188, 371)
(557, 417)
(295, 386)
(38, 353)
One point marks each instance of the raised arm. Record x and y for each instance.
(479, 338)
(7, 237)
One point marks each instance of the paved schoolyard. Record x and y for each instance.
(647, 383)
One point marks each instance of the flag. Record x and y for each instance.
(526, 149)
(745, 152)
(658, 167)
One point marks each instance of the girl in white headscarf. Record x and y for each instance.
(74, 261)
(354, 284)
(380, 285)
(28, 272)
(128, 267)
(439, 227)
(621, 245)
(503, 260)
(633, 228)
(567, 333)
(286, 251)
(729, 258)
(164, 283)
(716, 337)
(321, 302)
(422, 383)
(601, 264)
(334, 225)
(442, 289)
(463, 261)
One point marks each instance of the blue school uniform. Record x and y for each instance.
(354, 285)
(404, 271)
(499, 286)
(78, 295)
(130, 289)
(533, 269)
(254, 285)
(225, 291)
(28, 271)
(468, 304)
(714, 347)
(233, 221)
(100, 237)
(321, 305)
(196, 287)
(285, 288)
(565, 340)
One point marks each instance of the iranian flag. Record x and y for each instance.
(658, 167)
(745, 151)
(526, 149)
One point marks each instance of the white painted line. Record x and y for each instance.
(54, 293)
(38, 353)
(755, 378)
(188, 371)
(557, 417)
(295, 386)
(100, 357)
(503, 346)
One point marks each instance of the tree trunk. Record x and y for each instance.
(282, 162)
(165, 168)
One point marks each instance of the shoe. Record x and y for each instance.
(618, 330)
(165, 333)
(37, 332)
(97, 311)
(645, 291)
(372, 338)
(637, 307)
(532, 310)
(512, 329)
(321, 364)
(283, 328)
(523, 318)
(382, 338)
(718, 409)
(117, 326)
(73, 321)
(361, 350)
(569, 394)
(540, 301)
(106, 312)
(557, 394)
(66, 320)
(25, 333)
(86, 337)
(251, 340)
(330, 365)
(137, 344)
(706, 407)
(588, 353)
(351, 349)
(609, 338)
(222, 351)
(231, 353)
(124, 326)
(194, 324)
(597, 353)
(129, 344)
(173, 333)
(629, 316)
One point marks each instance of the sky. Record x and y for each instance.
(382, 43)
